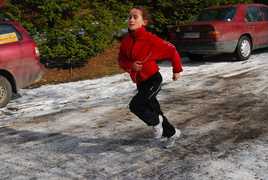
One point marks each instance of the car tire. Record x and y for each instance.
(244, 49)
(5, 91)
(195, 57)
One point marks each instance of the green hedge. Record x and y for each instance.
(68, 32)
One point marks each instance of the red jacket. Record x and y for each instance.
(147, 48)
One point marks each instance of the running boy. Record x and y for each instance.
(137, 56)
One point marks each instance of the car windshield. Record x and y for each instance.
(218, 14)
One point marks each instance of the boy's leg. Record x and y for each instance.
(141, 107)
(146, 106)
(141, 104)
(168, 129)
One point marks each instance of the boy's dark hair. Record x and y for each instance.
(145, 14)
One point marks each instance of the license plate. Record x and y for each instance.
(191, 35)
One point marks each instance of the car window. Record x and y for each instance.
(9, 33)
(218, 14)
(264, 11)
(253, 15)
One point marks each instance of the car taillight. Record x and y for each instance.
(214, 34)
(36, 51)
(173, 36)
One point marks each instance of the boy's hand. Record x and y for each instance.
(137, 66)
(176, 76)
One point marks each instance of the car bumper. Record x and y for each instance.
(40, 73)
(33, 74)
(206, 47)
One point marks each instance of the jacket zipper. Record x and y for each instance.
(132, 47)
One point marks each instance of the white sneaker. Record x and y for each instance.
(171, 140)
(158, 129)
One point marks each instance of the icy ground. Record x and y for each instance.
(83, 130)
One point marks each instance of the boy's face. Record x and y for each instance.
(135, 20)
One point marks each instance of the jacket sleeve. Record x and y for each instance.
(123, 60)
(176, 62)
(167, 51)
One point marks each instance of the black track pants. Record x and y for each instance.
(145, 105)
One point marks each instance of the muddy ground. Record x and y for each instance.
(224, 136)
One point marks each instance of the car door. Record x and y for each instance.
(264, 11)
(10, 50)
(256, 26)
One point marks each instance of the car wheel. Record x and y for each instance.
(5, 91)
(195, 57)
(243, 49)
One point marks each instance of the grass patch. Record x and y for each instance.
(105, 64)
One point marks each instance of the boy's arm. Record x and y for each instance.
(123, 61)
(176, 62)
(166, 50)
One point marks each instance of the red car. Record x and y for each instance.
(237, 29)
(19, 60)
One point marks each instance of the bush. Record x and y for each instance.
(68, 32)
